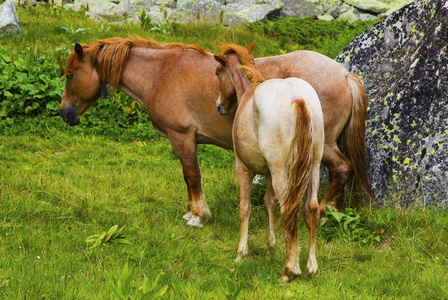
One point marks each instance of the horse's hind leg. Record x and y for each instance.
(340, 169)
(292, 267)
(245, 177)
(270, 207)
(186, 149)
(312, 219)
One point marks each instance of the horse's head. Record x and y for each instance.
(230, 61)
(82, 88)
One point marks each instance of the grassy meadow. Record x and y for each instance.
(64, 189)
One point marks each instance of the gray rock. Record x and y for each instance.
(373, 6)
(207, 9)
(404, 64)
(251, 11)
(305, 8)
(326, 17)
(9, 21)
(236, 12)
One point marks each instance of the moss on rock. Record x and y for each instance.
(403, 61)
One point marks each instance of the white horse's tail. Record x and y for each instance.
(299, 164)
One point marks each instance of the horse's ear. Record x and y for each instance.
(220, 59)
(78, 50)
(251, 47)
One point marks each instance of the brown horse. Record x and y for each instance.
(278, 131)
(177, 85)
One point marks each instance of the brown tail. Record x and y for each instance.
(299, 165)
(354, 136)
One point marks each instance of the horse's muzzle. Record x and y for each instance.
(70, 115)
(221, 109)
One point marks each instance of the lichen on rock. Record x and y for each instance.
(403, 61)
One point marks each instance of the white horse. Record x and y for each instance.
(278, 132)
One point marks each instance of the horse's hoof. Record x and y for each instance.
(239, 259)
(291, 274)
(188, 216)
(272, 244)
(195, 222)
(312, 272)
(312, 268)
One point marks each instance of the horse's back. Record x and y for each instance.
(273, 99)
(310, 66)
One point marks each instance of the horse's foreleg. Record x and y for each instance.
(312, 219)
(186, 149)
(340, 169)
(245, 177)
(270, 208)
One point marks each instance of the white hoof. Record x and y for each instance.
(272, 243)
(238, 259)
(188, 216)
(312, 267)
(195, 222)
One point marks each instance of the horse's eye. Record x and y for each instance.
(217, 74)
(69, 76)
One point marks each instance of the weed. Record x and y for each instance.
(113, 236)
(122, 286)
(348, 227)
(145, 21)
(233, 286)
(149, 289)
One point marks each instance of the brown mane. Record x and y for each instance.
(247, 62)
(115, 51)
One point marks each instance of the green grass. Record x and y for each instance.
(60, 185)
(58, 188)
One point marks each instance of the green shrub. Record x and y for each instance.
(30, 82)
(296, 33)
(350, 226)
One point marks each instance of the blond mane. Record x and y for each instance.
(247, 62)
(115, 52)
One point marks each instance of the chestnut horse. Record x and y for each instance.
(278, 131)
(177, 86)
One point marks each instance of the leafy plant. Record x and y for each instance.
(233, 287)
(71, 29)
(347, 227)
(145, 20)
(122, 286)
(29, 82)
(149, 289)
(113, 235)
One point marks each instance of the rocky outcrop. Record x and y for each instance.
(9, 22)
(234, 12)
(404, 64)
(341, 9)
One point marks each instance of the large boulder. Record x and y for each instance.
(403, 62)
(9, 21)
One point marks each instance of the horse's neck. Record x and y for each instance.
(242, 84)
(140, 73)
